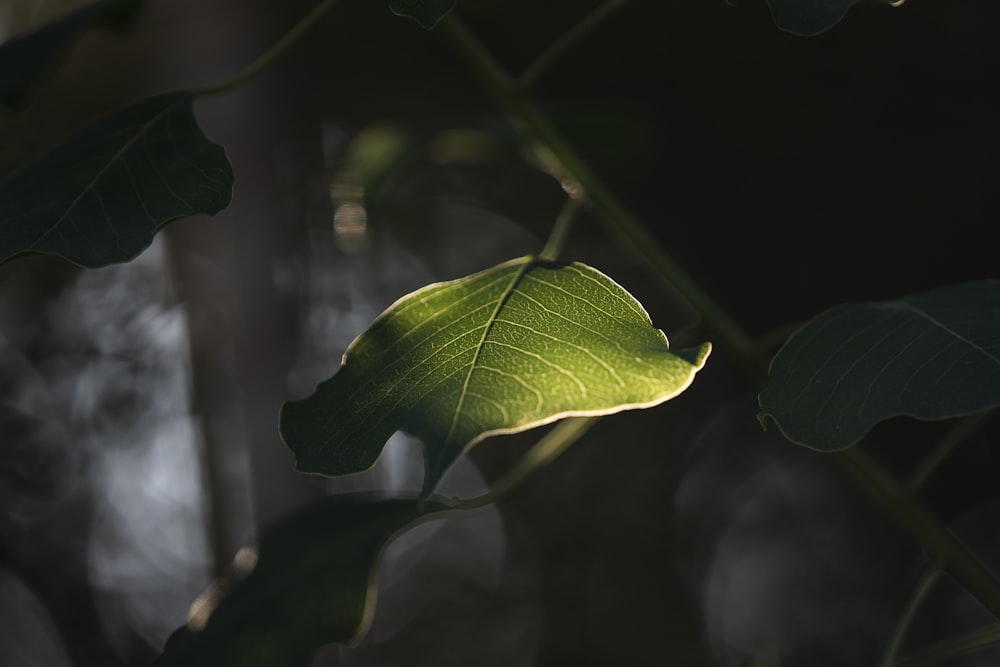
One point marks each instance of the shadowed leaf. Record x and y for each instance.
(516, 346)
(932, 355)
(425, 12)
(810, 17)
(26, 58)
(101, 197)
(312, 584)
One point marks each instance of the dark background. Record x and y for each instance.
(787, 174)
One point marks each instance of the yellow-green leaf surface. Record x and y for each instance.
(517, 346)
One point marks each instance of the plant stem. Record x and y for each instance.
(271, 54)
(963, 644)
(928, 577)
(775, 338)
(552, 444)
(962, 430)
(535, 70)
(557, 238)
(941, 546)
(616, 218)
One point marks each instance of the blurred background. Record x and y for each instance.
(139, 403)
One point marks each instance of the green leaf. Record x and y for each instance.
(425, 12)
(101, 197)
(516, 346)
(811, 17)
(26, 58)
(313, 584)
(932, 355)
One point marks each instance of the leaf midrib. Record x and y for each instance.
(986, 353)
(91, 185)
(501, 302)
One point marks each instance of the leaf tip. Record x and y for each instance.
(764, 419)
(696, 356)
(805, 19)
(425, 12)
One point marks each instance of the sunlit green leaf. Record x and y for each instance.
(101, 197)
(516, 346)
(811, 17)
(932, 355)
(426, 12)
(25, 58)
(312, 584)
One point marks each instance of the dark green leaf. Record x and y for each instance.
(101, 197)
(26, 58)
(810, 17)
(425, 12)
(312, 584)
(516, 346)
(932, 355)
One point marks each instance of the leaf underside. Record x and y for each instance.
(101, 197)
(425, 12)
(809, 17)
(313, 584)
(933, 355)
(510, 348)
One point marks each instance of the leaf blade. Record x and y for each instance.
(313, 584)
(504, 350)
(933, 355)
(425, 12)
(807, 18)
(101, 197)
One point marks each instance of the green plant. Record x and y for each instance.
(514, 347)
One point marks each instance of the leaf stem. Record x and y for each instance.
(536, 69)
(560, 230)
(527, 118)
(271, 54)
(551, 445)
(928, 577)
(964, 644)
(941, 546)
(943, 449)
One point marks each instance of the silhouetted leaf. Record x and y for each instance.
(932, 355)
(810, 17)
(101, 197)
(516, 346)
(426, 12)
(312, 584)
(26, 58)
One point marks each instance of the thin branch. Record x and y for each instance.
(941, 546)
(943, 449)
(271, 54)
(560, 230)
(774, 339)
(925, 583)
(544, 61)
(616, 218)
(956, 647)
(552, 444)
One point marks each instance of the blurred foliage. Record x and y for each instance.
(806, 161)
